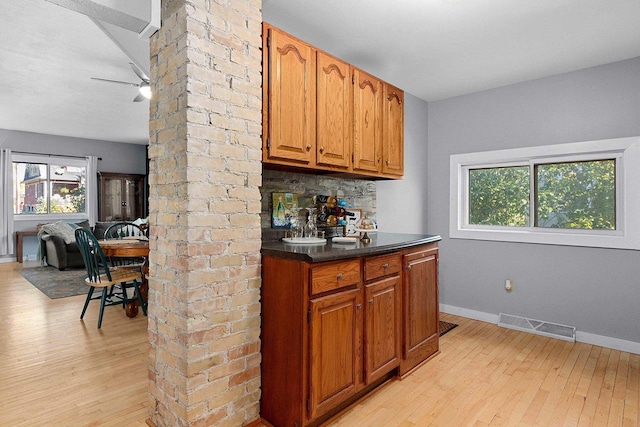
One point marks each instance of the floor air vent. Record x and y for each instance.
(548, 329)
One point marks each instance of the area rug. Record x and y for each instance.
(55, 283)
(446, 327)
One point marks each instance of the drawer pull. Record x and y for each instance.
(359, 306)
(408, 268)
(386, 265)
(371, 302)
(339, 276)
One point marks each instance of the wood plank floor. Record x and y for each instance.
(490, 376)
(56, 370)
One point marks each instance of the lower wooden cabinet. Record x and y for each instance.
(382, 344)
(332, 331)
(335, 349)
(420, 307)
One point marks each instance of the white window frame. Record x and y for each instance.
(626, 152)
(48, 160)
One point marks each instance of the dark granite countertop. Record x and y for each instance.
(380, 243)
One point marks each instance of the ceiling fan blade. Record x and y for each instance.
(116, 81)
(139, 72)
(139, 98)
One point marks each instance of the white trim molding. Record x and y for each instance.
(626, 151)
(584, 337)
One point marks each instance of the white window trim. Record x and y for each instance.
(627, 154)
(48, 159)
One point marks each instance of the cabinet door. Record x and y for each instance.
(112, 200)
(382, 327)
(333, 109)
(291, 98)
(335, 350)
(393, 135)
(121, 197)
(131, 206)
(367, 123)
(420, 308)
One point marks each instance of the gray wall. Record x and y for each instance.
(116, 157)
(402, 204)
(596, 290)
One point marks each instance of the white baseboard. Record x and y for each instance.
(585, 337)
(9, 259)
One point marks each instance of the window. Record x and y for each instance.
(569, 194)
(53, 186)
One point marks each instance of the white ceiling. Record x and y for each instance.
(48, 55)
(433, 49)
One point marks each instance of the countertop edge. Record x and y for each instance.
(400, 241)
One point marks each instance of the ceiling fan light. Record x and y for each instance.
(145, 90)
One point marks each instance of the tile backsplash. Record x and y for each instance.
(358, 193)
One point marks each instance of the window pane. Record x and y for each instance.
(61, 190)
(29, 194)
(67, 189)
(499, 196)
(576, 195)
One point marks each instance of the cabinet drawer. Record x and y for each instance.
(382, 266)
(334, 276)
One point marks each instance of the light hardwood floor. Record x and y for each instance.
(56, 370)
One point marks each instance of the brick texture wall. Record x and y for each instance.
(205, 173)
(359, 193)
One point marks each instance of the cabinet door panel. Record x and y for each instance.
(393, 135)
(420, 316)
(291, 97)
(335, 349)
(367, 122)
(333, 137)
(382, 331)
(112, 200)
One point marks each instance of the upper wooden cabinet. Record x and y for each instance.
(367, 122)
(333, 115)
(393, 131)
(322, 115)
(122, 197)
(288, 99)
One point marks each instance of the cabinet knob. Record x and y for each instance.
(321, 150)
(371, 302)
(339, 276)
(387, 162)
(408, 268)
(308, 148)
(386, 265)
(359, 306)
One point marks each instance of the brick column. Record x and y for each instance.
(205, 173)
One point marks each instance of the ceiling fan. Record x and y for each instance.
(143, 86)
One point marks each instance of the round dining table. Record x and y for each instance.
(130, 248)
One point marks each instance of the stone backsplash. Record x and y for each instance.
(359, 194)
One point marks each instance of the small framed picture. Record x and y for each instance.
(352, 220)
(284, 205)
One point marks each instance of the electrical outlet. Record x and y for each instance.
(508, 285)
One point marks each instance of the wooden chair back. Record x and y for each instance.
(94, 259)
(121, 230)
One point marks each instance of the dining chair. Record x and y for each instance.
(125, 230)
(102, 275)
(121, 230)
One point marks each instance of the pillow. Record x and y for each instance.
(83, 224)
(62, 229)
